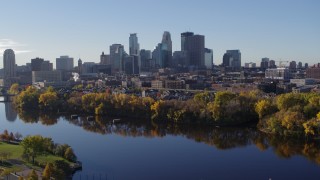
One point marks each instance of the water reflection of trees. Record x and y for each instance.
(35, 117)
(220, 138)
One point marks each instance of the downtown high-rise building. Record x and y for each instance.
(39, 64)
(117, 55)
(232, 59)
(9, 63)
(166, 49)
(195, 46)
(162, 54)
(208, 58)
(80, 66)
(145, 59)
(264, 63)
(133, 44)
(64, 63)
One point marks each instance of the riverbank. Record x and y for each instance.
(12, 161)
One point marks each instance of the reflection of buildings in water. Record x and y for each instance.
(11, 114)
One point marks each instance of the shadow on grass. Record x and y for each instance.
(6, 164)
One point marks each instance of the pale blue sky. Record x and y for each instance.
(278, 29)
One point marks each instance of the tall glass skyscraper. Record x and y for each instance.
(133, 44)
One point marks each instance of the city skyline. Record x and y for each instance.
(278, 30)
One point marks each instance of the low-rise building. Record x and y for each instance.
(174, 84)
(278, 73)
(302, 82)
(46, 76)
(157, 84)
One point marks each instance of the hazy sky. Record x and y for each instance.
(278, 29)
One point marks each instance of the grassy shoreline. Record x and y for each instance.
(15, 163)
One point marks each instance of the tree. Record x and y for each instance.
(14, 89)
(33, 146)
(48, 100)
(62, 169)
(264, 107)
(5, 135)
(289, 100)
(61, 149)
(69, 155)
(48, 171)
(33, 175)
(27, 99)
(11, 137)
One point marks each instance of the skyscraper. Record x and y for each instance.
(167, 49)
(131, 65)
(233, 59)
(293, 65)
(36, 64)
(9, 63)
(80, 66)
(194, 45)
(157, 56)
(184, 40)
(208, 58)
(64, 63)
(145, 57)
(236, 63)
(133, 44)
(227, 59)
(117, 55)
(264, 63)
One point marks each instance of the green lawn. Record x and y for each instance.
(17, 150)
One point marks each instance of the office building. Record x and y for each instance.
(80, 66)
(293, 65)
(131, 64)
(133, 44)
(9, 64)
(64, 63)
(46, 76)
(145, 59)
(272, 64)
(264, 63)
(278, 74)
(166, 49)
(180, 59)
(208, 58)
(105, 59)
(36, 64)
(46, 66)
(184, 40)
(313, 72)
(306, 65)
(226, 60)
(195, 46)
(87, 67)
(117, 55)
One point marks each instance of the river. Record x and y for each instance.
(132, 149)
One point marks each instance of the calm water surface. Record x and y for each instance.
(135, 150)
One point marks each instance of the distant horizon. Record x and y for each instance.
(280, 30)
